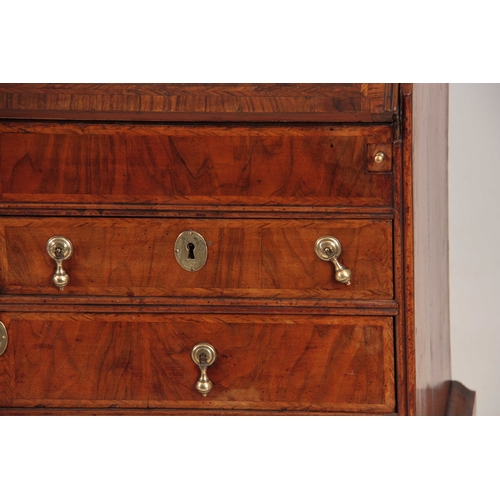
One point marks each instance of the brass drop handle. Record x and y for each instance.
(60, 248)
(329, 248)
(204, 355)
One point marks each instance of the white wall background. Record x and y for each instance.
(474, 225)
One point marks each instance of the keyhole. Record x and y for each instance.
(190, 248)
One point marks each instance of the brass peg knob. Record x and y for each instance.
(329, 248)
(59, 248)
(379, 157)
(204, 355)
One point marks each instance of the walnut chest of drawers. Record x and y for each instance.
(223, 249)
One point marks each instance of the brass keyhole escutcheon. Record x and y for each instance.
(204, 355)
(191, 251)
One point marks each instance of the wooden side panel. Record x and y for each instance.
(246, 258)
(461, 401)
(430, 213)
(143, 361)
(208, 102)
(206, 166)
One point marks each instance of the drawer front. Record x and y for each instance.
(271, 102)
(315, 363)
(249, 258)
(196, 166)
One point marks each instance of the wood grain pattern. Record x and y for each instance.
(399, 273)
(250, 258)
(193, 102)
(265, 362)
(116, 411)
(158, 210)
(386, 164)
(204, 166)
(197, 305)
(407, 300)
(117, 342)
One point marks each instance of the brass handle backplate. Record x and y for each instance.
(60, 248)
(4, 338)
(204, 355)
(329, 248)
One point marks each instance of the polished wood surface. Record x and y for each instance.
(250, 258)
(355, 102)
(141, 412)
(143, 361)
(427, 280)
(207, 305)
(261, 171)
(205, 166)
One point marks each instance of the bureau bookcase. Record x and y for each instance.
(223, 249)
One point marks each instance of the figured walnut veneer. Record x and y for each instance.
(261, 171)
